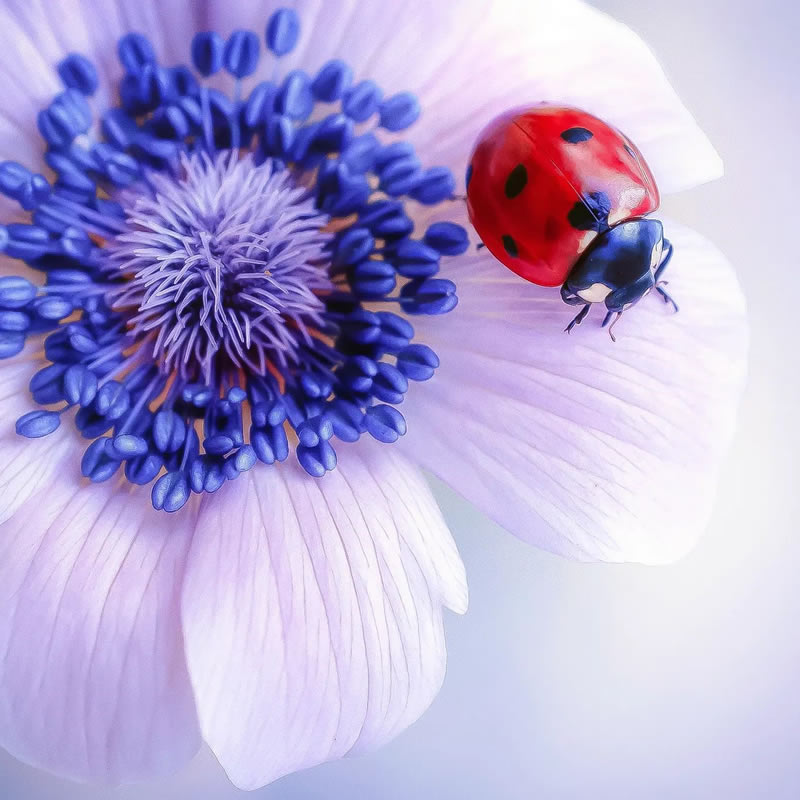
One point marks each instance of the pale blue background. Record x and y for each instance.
(570, 681)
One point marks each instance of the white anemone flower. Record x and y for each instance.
(188, 248)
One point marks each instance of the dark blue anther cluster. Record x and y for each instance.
(185, 432)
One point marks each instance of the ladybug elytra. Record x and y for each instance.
(561, 198)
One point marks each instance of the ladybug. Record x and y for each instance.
(561, 198)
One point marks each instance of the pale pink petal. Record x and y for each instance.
(312, 612)
(93, 681)
(583, 446)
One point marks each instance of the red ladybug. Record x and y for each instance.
(560, 197)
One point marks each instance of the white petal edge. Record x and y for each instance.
(93, 680)
(589, 448)
(312, 612)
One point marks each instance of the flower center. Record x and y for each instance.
(227, 279)
(224, 269)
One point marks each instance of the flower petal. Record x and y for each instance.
(583, 446)
(28, 465)
(312, 612)
(93, 681)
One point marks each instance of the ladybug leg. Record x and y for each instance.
(609, 315)
(480, 246)
(581, 315)
(659, 285)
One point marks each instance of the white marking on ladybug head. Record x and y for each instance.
(596, 293)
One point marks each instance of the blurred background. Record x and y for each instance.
(571, 681)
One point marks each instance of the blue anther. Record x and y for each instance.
(169, 431)
(208, 48)
(260, 104)
(332, 81)
(14, 321)
(396, 332)
(155, 86)
(192, 110)
(170, 492)
(90, 424)
(278, 134)
(118, 128)
(357, 374)
(373, 279)
(36, 424)
(67, 116)
(334, 134)
(98, 463)
(283, 31)
(401, 176)
(317, 460)
(196, 394)
(385, 423)
(241, 53)
(295, 99)
(75, 243)
(218, 444)
(183, 81)
(45, 385)
(11, 343)
(360, 154)
(448, 238)
(80, 385)
(417, 362)
(77, 72)
(399, 112)
(16, 292)
(429, 296)
(386, 218)
(396, 151)
(390, 384)
(112, 400)
(306, 435)
(128, 445)
(362, 100)
(75, 185)
(170, 122)
(436, 185)
(19, 183)
(135, 52)
(245, 458)
(347, 420)
(144, 469)
(236, 395)
(52, 307)
(413, 259)
(361, 326)
(120, 168)
(352, 246)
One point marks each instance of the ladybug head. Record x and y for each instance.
(619, 266)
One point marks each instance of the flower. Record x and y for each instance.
(287, 618)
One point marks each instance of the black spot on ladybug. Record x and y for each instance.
(630, 150)
(469, 175)
(510, 246)
(516, 181)
(591, 213)
(576, 135)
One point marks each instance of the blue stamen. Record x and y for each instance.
(283, 31)
(213, 259)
